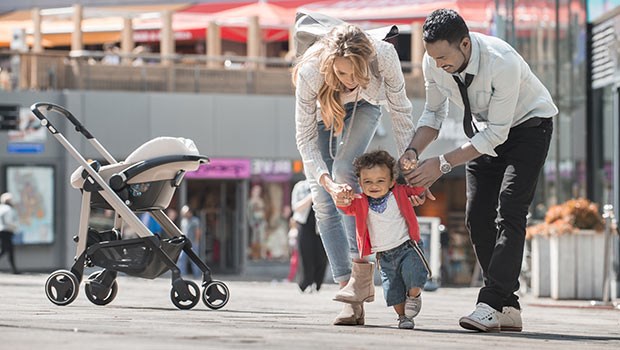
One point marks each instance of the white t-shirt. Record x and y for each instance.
(8, 218)
(389, 229)
(351, 96)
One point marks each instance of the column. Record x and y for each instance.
(76, 35)
(37, 48)
(253, 43)
(214, 45)
(417, 49)
(127, 44)
(37, 45)
(167, 37)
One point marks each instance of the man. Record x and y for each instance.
(508, 143)
(8, 226)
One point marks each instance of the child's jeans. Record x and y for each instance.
(401, 269)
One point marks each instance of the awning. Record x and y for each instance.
(191, 23)
(100, 24)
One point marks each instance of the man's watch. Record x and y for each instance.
(444, 166)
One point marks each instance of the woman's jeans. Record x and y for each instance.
(499, 191)
(338, 230)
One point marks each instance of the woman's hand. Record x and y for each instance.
(342, 194)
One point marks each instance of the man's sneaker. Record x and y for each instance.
(413, 306)
(405, 322)
(510, 319)
(484, 319)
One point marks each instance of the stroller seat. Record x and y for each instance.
(149, 175)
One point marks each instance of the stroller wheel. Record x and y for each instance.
(96, 292)
(194, 292)
(215, 295)
(61, 287)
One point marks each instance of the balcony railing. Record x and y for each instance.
(179, 73)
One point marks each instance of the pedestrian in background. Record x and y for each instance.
(8, 227)
(190, 226)
(508, 142)
(311, 251)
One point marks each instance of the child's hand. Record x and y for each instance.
(408, 162)
(420, 199)
(342, 195)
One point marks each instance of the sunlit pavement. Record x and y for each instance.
(276, 315)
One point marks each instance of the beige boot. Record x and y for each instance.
(360, 287)
(351, 315)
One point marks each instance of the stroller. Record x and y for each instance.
(144, 182)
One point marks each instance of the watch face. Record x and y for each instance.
(445, 168)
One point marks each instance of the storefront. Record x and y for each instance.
(244, 207)
(217, 194)
(604, 111)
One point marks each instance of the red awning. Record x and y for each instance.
(475, 12)
(191, 23)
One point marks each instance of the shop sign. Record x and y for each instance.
(28, 137)
(222, 168)
(272, 170)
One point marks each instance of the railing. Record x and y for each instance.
(87, 70)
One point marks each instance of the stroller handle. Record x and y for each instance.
(35, 108)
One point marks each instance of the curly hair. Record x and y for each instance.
(348, 41)
(375, 158)
(444, 24)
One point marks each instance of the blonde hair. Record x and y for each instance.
(347, 41)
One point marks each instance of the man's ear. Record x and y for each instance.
(465, 43)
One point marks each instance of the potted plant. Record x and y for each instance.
(567, 251)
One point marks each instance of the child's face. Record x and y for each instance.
(376, 181)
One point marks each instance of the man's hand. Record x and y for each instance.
(419, 200)
(426, 173)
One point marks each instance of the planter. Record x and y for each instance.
(568, 266)
(540, 273)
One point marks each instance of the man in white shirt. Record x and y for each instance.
(508, 120)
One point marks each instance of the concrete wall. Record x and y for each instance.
(248, 126)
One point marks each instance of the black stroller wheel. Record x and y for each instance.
(96, 299)
(194, 292)
(215, 295)
(61, 287)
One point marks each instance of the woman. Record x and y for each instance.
(348, 75)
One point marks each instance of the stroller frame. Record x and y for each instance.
(101, 287)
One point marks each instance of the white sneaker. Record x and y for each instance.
(413, 305)
(405, 322)
(510, 319)
(483, 319)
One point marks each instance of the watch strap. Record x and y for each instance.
(417, 155)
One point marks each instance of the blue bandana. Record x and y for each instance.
(379, 205)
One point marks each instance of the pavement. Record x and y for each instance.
(276, 315)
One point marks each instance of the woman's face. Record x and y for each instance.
(376, 181)
(343, 68)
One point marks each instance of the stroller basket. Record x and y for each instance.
(136, 257)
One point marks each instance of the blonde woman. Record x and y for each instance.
(340, 83)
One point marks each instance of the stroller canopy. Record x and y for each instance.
(157, 147)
